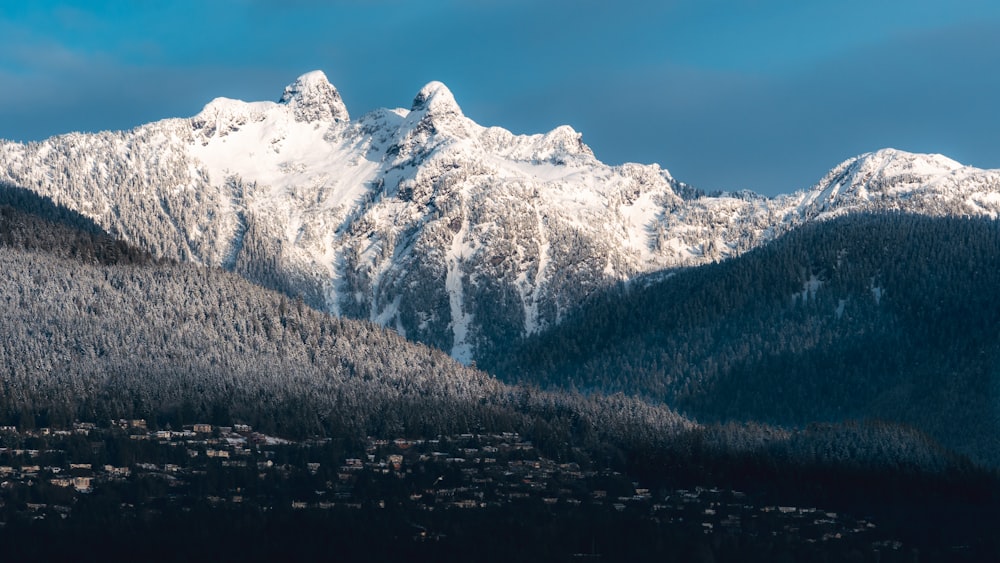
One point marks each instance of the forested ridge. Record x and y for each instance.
(887, 316)
(34, 222)
(95, 330)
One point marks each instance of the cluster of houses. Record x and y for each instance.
(36, 461)
(483, 471)
(460, 472)
(716, 510)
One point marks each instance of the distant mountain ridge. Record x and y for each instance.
(460, 236)
(869, 316)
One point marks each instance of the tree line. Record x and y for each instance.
(885, 316)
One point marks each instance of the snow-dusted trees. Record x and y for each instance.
(94, 329)
(886, 316)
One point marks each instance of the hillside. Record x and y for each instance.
(95, 329)
(886, 316)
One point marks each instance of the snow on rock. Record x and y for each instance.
(222, 116)
(894, 180)
(461, 236)
(312, 98)
(435, 98)
(461, 348)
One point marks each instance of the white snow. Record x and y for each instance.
(809, 289)
(531, 292)
(321, 185)
(877, 293)
(460, 320)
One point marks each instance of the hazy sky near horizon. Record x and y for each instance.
(760, 94)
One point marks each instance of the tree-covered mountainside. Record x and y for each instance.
(33, 222)
(94, 329)
(888, 316)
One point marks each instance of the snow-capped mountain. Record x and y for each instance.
(928, 184)
(455, 234)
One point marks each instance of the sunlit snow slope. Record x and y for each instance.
(458, 235)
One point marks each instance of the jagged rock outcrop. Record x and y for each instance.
(457, 235)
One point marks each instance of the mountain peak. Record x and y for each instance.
(924, 163)
(436, 98)
(313, 98)
(890, 166)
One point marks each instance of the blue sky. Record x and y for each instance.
(759, 94)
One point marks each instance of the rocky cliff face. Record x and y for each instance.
(457, 235)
